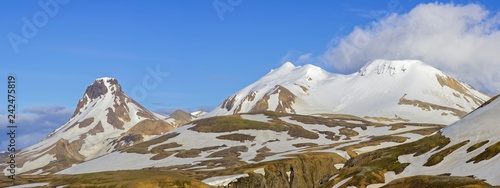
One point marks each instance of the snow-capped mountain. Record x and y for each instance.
(105, 120)
(383, 90)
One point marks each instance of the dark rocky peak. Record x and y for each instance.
(101, 86)
(98, 88)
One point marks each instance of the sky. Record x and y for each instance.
(208, 50)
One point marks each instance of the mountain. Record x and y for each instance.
(234, 143)
(387, 124)
(464, 153)
(472, 151)
(383, 90)
(179, 117)
(105, 120)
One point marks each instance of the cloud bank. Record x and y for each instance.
(34, 124)
(461, 40)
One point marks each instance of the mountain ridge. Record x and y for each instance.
(399, 90)
(105, 120)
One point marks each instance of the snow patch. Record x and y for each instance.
(260, 171)
(223, 180)
(339, 166)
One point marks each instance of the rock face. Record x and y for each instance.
(306, 170)
(383, 90)
(105, 120)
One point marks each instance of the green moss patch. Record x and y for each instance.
(488, 153)
(439, 156)
(477, 145)
(142, 147)
(368, 168)
(299, 145)
(237, 137)
(220, 124)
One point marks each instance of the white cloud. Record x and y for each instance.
(461, 40)
(304, 57)
(34, 124)
(297, 58)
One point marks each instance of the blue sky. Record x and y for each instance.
(207, 58)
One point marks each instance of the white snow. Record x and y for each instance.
(256, 117)
(273, 102)
(223, 180)
(354, 121)
(288, 174)
(373, 148)
(333, 177)
(31, 165)
(339, 165)
(260, 171)
(480, 125)
(374, 91)
(283, 148)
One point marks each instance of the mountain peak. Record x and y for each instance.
(287, 64)
(105, 79)
(288, 71)
(408, 90)
(100, 87)
(105, 120)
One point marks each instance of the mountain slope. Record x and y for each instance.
(105, 120)
(406, 90)
(477, 136)
(234, 141)
(458, 155)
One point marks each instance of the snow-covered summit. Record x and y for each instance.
(105, 120)
(286, 66)
(399, 90)
(289, 71)
(105, 78)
